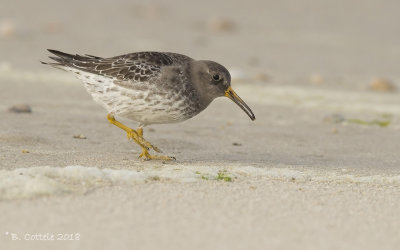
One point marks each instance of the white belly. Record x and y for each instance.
(138, 104)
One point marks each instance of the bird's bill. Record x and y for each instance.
(234, 97)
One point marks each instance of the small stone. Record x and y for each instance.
(382, 85)
(79, 137)
(20, 108)
(149, 11)
(261, 77)
(25, 151)
(7, 28)
(221, 25)
(236, 144)
(52, 27)
(154, 178)
(316, 79)
(334, 118)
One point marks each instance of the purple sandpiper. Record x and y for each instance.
(150, 88)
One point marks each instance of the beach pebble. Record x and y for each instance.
(316, 79)
(220, 25)
(7, 28)
(334, 118)
(149, 11)
(261, 77)
(25, 151)
(52, 27)
(236, 144)
(20, 108)
(79, 137)
(381, 85)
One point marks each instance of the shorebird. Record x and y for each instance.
(150, 88)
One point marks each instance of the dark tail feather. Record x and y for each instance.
(61, 59)
(69, 60)
(72, 57)
(94, 57)
(52, 63)
(61, 54)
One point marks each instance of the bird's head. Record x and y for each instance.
(214, 81)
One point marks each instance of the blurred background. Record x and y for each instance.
(318, 168)
(290, 41)
(298, 64)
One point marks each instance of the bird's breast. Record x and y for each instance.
(151, 105)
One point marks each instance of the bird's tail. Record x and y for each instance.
(63, 59)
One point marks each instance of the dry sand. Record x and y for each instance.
(318, 169)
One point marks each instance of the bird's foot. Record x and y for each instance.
(146, 156)
(138, 138)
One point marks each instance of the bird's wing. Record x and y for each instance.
(140, 66)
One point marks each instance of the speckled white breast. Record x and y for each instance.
(140, 103)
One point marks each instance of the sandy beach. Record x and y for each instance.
(318, 169)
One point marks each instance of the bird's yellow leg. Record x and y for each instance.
(132, 134)
(145, 153)
(139, 131)
(147, 156)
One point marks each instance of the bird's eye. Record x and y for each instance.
(216, 77)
